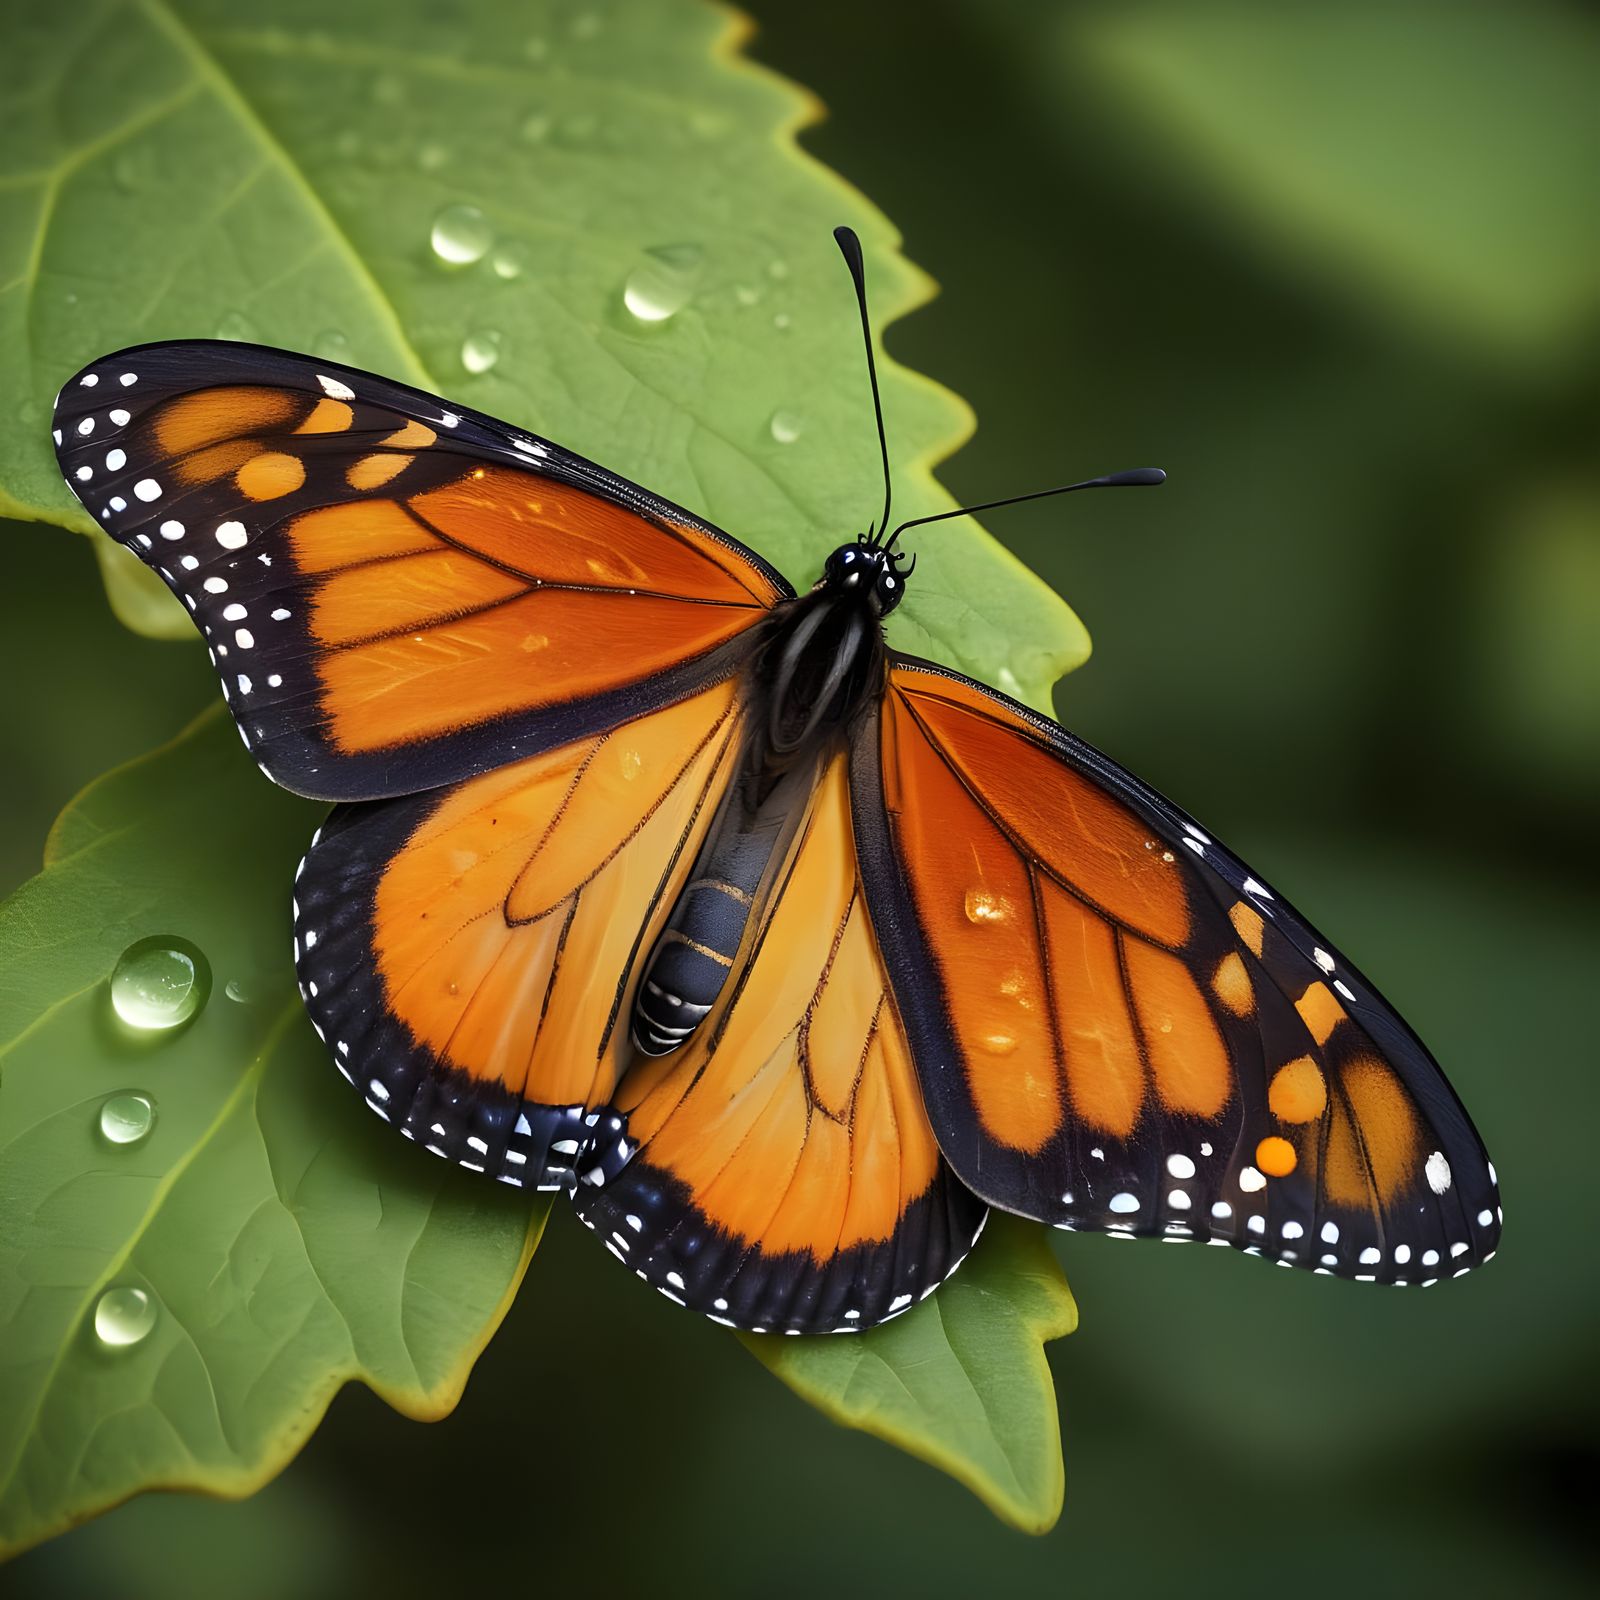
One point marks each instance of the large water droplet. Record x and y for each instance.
(985, 908)
(785, 427)
(510, 259)
(235, 325)
(662, 283)
(123, 1317)
(159, 983)
(127, 1118)
(461, 235)
(480, 351)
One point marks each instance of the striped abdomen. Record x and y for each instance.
(696, 950)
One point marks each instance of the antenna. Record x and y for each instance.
(1137, 478)
(850, 247)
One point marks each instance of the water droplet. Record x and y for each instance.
(235, 325)
(535, 127)
(127, 1118)
(746, 294)
(388, 90)
(781, 321)
(461, 235)
(430, 158)
(985, 908)
(510, 259)
(159, 983)
(123, 1317)
(662, 283)
(630, 762)
(586, 25)
(778, 270)
(785, 427)
(999, 1042)
(536, 49)
(480, 351)
(331, 345)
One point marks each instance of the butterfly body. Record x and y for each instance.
(653, 882)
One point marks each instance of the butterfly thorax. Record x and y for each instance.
(821, 663)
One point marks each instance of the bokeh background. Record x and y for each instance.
(1334, 267)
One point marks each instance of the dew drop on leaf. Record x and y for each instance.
(586, 25)
(785, 427)
(535, 127)
(159, 983)
(430, 158)
(235, 325)
(123, 1317)
(781, 321)
(127, 1118)
(536, 48)
(461, 235)
(510, 259)
(480, 351)
(663, 282)
(388, 90)
(778, 270)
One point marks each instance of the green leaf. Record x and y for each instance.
(189, 168)
(1434, 154)
(286, 1240)
(962, 1380)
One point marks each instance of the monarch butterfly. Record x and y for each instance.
(784, 954)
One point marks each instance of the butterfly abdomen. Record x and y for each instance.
(697, 949)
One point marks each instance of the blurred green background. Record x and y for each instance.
(1334, 267)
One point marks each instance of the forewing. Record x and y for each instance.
(781, 1173)
(396, 593)
(465, 954)
(1118, 1027)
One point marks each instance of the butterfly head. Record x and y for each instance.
(877, 575)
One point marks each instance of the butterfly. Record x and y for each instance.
(785, 955)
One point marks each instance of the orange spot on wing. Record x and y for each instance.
(328, 416)
(212, 415)
(1298, 1091)
(1231, 985)
(372, 472)
(413, 436)
(1248, 925)
(1320, 1012)
(1192, 1068)
(271, 475)
(1276, 1157)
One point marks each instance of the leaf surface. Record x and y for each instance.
(961, 1380)
(290, 174)
(285, 1241)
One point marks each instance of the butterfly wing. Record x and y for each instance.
(1118, 1027)
(466, 954)
(397, 594)
(783, 1173)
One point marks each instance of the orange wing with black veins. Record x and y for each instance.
(397, 594)
(1118, 1027)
